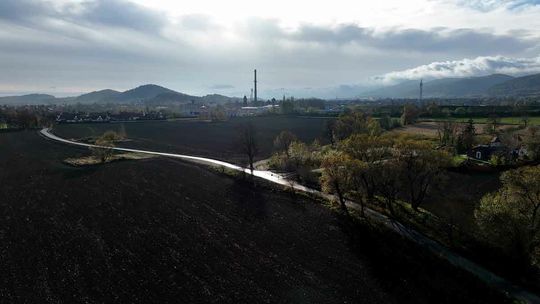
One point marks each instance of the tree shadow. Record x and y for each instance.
(251, 203)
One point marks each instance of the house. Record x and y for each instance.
(496, 147)
(251, 111)
(484, 152)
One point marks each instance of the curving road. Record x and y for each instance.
(485, 275)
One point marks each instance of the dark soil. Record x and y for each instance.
(163, 231)
(210, 139)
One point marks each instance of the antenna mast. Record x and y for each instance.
(421, 90)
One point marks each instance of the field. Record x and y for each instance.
(163, 231)
(429, 128)
(503, 120)
(215, 139)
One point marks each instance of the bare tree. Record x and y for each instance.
(447, 132)
(247, 142)
(336, 177)
(420, 168)
(283, 141)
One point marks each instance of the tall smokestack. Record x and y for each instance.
(255, 82)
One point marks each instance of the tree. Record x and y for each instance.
(525, 120)
(510, 217)
(103, 149)
(466, 138)
(329, 127)
(218, 113)
(532, 141)
(247, 142)
(492, 124)
(372, 152)
(287, 107)
(420, 168)
(446, 130)
(373, 127)
(283, 140)
(433, 110)
(387, 183)
(355, 122)
(460, 112)
(410, 114)
(336, 177)
(386, 122)
(301, 160)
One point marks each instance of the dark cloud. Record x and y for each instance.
(121, 13)
(113, 13)
(436, 40)
(19, 10)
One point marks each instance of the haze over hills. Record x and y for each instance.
(495, 85)
(30, 99)
(521, 86)
(443, 88)
(150, 94)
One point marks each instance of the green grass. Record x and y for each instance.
(458, 160)
(504, 120)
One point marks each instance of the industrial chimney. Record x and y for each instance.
(255, 82)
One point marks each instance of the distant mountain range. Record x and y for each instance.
(496, 85)
(455, 87)
(521, 86)
(148, 94)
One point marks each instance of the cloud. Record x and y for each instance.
(434, 40)
(118, 43)
(490, 5)
(479, 66)
(222, 87)
(115, 13)
(121, 13)
(18, 10)
(463, 41)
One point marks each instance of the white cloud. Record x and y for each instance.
(94, 44)
(478, 66)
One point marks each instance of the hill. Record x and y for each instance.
(406, 89)
(217, 98)
(464, 87)
(520, 86)
(98, 96)
(443, 88)
(144, 92)
(150, 94)
(31, 99)
(170, 98)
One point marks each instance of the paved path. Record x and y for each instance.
(485, 275)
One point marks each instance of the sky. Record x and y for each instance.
(302, 48)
